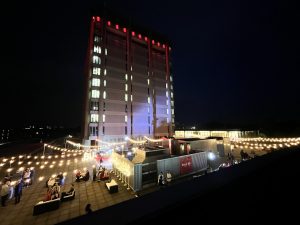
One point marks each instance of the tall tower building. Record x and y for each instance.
(128, 83)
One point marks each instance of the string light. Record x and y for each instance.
(154, 140)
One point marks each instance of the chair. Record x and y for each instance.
(42, 207)
(112, 186)
(68, 197)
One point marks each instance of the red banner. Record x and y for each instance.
(186, 165)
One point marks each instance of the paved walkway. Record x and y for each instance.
(92, 192)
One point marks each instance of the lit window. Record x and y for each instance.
(96, 71)
(97, 49)
(96, 82)
(148, 100)
(96, 59)
(131, 68)
(103, 118)
(131, 97)
(171, 94)
(126, 97)
(171, 87)
(93, 131)
(104, 94)
(173, 121)
(167, 119)
(105, 72)
(167, 111)
(172, 103)
(95, 94)
(104, 83)
(106, 51)
(166, 85)
(94, 106)
(125, 118)
(131, 77)
(97, 39)
(148, 108)
(167, 94)
(148, 80)
(167, 102)
(172, 111)
(126, 77)
(94, 118)
(171, 78)
(126, 87)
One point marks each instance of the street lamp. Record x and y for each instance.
(44, 149)
(211, 156)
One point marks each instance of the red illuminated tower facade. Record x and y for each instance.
(128, 83)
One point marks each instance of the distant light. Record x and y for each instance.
(98, 19)
(108, 23)
(153, 42)
(117, 26)
(93, 20)
(146, 39)
(133, 33)
(211, 156)
(158, 44)
(124, 30)
(140, 36)
(164, 46)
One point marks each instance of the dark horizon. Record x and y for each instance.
(234, 63)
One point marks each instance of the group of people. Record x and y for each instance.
(11, 189)
(53, 192)
(28, 176)
(161, 178)
(82, 176)
(8, 190)
(244, 155)
(101, 174)
(59, 179)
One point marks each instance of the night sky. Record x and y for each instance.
(234, 62)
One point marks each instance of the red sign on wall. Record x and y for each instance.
(186, 165)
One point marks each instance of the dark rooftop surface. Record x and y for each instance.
(257, 191)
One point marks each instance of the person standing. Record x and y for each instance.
(169, 177)
(88, 208)
(18, 191)
(161, 179)
(4, 194)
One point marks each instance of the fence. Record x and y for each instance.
(198, 163)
